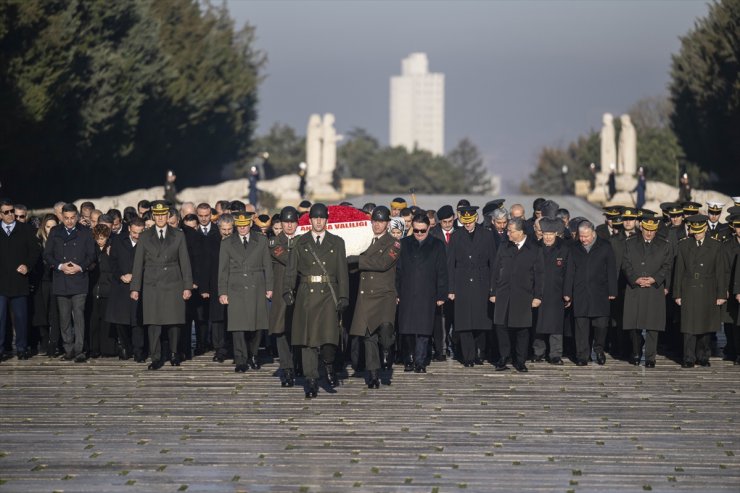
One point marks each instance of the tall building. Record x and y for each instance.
(418, 106)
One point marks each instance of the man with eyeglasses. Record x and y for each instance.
(421, 284)
(21, 213)
(18, 252)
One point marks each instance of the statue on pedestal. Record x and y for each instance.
(321, 156)
(608, 143)
(627, 158)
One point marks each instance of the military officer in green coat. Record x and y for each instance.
(162, 277)
(244, 286)
(375, 310)
(699, 288)
(646, 265)
(318, 263)
(281, 315)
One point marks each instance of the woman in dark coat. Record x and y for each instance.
(45, 311)
(421, 284)
(101, 340)
(470, 258)
(551, 313)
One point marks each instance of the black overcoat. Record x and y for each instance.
(77, 247)
(591, 278)
(281, 315)
(644, 308)
(21, 247)
(470, 258)
(121, 308)
(732, 251)
(699, 281)
(516, 280)
(551, 313)
(421, 281)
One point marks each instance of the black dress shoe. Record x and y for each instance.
(253, 363)
(287, 379)
(704, 363)
(123, 355)
(635, 360)
(373, 382)
(139, 358)
(312, 388)
(68, 356)
(440, 357)
(22, 355)
(469, 364)
(95, 355)
(80, 358)
(538, 359)
(240, 369)
(408, 367)
(420, 369)
(650, 364)
(175, 359)
(581, 362)
(155, 365)
(521, 368)
(557, 361)
(687, 364)
(478, 361)
(600, 358)
(331, 375)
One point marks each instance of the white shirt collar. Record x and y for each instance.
(11, 226)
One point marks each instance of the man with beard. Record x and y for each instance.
(516, 289)
(700, 288)
(421, 284)
(318, 264)
(375, 311)
(647, 267)
(281, 315)
(551, 313)
(162, 271)
(470, 258)
(244, 286)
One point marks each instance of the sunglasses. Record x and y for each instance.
(420, 231)
(9, 211)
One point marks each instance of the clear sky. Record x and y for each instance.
(518, 74)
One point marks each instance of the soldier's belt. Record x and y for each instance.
(317, 279)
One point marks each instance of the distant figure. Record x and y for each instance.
(592, 176)
(612, 183)
(684, 189)
(170, 190)
(254, 176)
(640, 188)
(302, 182)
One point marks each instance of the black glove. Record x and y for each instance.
(353, 259)
(289, 298)
(342, 304)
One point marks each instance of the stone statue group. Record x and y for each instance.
(625, 161)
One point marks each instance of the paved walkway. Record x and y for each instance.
(112, 426)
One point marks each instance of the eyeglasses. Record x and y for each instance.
(420, 231)
(9, 211)
(19, 216)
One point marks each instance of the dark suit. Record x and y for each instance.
(551, 313)
(123, 312)
(591, 278)
(18, 248)
(444, 316)
(76, 246)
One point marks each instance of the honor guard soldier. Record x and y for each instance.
(245, 285)
(375, 311)
(732, 325)
(647, 267)
(318, 263)
(163, 279)
(715, 229)
(607, 230)
(281, 315)
(700, 288)
(689, 209)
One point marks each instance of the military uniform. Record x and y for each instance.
(162, 273)
(319, 296)
(699, 282)
(375, 310)
(644, 307)
(732, 322)
(245, 276)
(281, 315)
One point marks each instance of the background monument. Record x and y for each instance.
(321, 157)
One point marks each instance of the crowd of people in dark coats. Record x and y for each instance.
(477, 284)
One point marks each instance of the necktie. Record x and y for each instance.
(69, 232)
(698, 243)
(244, 240)
(374, 240)
(447, 236)
(8, 228)
(161, 235)
(318, 241)
(205, 231)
